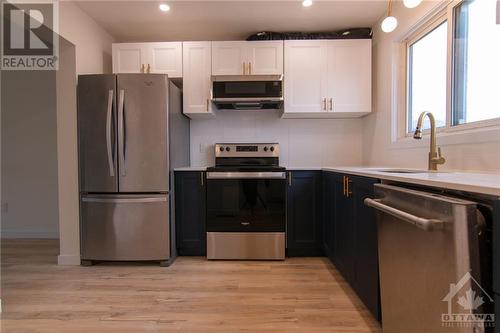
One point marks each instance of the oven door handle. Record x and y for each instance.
(246, 175)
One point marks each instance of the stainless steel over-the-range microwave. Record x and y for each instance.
(247, 92)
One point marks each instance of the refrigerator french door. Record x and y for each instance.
(124, 169)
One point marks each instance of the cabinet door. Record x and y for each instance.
(129, 57)
(304, 216)
(344, 257)
(349, 75)
(328, 214)
(228, 58)
(265, 57)
(305, 76)
(165, 58)
(190, 202)
(196, 81)
(366, 245)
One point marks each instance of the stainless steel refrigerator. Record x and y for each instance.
(131, 134)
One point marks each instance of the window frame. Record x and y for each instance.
(426, 28)
(443, 12)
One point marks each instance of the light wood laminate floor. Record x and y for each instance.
(193, 295)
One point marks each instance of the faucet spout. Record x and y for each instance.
(435, 157)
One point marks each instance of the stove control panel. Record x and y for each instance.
(247, 149)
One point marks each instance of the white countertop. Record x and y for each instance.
(484, 183)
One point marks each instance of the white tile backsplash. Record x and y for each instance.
(303, 142)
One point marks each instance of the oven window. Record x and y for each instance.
(253, 205)
(247, 89)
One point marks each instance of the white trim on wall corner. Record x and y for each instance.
(68, 260)
(11, 234)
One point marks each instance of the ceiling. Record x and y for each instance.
(141, 21)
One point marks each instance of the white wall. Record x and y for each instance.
(93, 43)
(303, 142)
(29, 155)
(378, 150)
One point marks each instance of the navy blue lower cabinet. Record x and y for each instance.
(496, 262)
(497, 313)
(329, 214)
(350, 234)
(344, 255)
(190, 212)
(304, 214)
(366, 281)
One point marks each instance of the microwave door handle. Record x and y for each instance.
(247, 106)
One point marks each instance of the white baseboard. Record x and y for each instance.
(68, 260)
(9, 234)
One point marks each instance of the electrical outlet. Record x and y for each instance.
(5, 208)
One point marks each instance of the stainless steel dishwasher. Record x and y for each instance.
(429, 255)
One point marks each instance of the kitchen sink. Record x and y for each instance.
(404, 171)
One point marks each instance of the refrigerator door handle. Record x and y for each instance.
(121, 134)
(137, 199)
(109, 117)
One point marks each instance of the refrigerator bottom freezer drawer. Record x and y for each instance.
(125, 227)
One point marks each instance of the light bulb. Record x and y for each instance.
(307, 3)
(411, 3)
(164, 7)
(389, 24)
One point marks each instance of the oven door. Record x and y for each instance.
(246, 201)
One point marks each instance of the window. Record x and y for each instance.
(476, 95)
(458, 84)
(427, 76)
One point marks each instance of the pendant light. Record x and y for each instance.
(390, 22)
(411, 3)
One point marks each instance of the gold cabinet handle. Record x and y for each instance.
(343, 185)
(208, 102)
(142, 68)
(250, 68)
(202, 179)
(289, 178)
(331, 104)
(148, 70)
(324, 103)
(348, 188)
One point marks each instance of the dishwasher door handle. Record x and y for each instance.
(419, 222)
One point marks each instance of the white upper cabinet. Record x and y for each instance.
(228, 58)
(265, 57)
(245, 58)
(129, 57)
(165, 58)
(327, 78)
(305, 80)
(162, 58)
(197, 79)
(349, 76)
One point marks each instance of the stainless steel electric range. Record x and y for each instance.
(246, 203)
